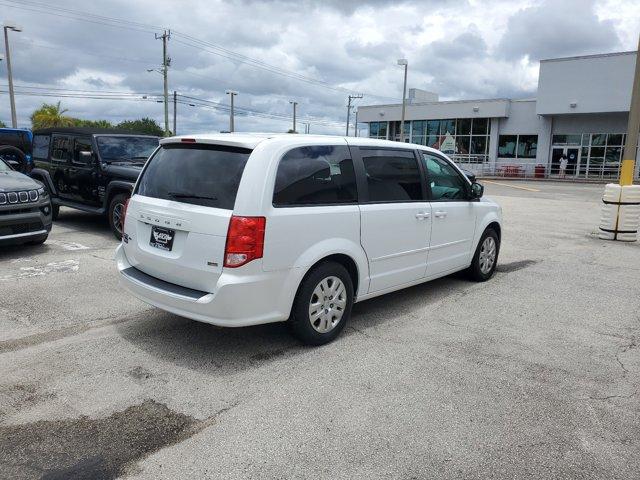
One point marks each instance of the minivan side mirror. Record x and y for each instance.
(477, 190)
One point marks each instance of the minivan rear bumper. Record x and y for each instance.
(239, 300)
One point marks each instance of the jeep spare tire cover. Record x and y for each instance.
(7, 153)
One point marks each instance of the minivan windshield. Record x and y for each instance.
(207, 175)
(126, 148)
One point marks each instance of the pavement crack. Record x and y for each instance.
(609, 397)
(625, 348)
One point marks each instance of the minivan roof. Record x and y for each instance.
(251, 140)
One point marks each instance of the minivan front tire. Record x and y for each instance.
(322, 306)
(485, 258)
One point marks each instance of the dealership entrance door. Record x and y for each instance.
(573, 157)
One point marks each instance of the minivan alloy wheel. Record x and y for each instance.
(487, 255)
(327, 304)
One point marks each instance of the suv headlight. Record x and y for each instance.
(43, 192)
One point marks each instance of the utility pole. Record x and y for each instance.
(307, 127)
(405, 63)
(12, 99)
(631, 145)
(295, 104)
(232, 93)
(351, 97)
(175, 112)
(166, 61)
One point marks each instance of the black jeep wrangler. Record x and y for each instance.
(90, 169)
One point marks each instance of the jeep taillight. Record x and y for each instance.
(245, 240)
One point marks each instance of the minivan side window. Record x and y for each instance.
(315, 175)
(392, 175)
(445, 181)
(61, 150)
(41, 146)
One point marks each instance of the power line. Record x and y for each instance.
(191, 41)
(142, 97)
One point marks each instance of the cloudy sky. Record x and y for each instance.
(311, 51)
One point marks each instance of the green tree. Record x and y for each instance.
(77, 122)
(50, 115)
(2, 125)
(145, 125)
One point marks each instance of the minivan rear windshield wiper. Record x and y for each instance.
(188, 195)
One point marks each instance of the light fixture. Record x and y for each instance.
(476, 109)
(402, 61)
(12, 26)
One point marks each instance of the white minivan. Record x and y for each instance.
(244, 229)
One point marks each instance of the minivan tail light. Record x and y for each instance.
(245, 240)
(124, 214)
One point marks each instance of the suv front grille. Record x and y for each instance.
(16, 211)
(24, 196)
(21, 228)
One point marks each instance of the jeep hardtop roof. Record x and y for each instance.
(88, 131)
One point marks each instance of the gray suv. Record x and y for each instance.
(25, 208)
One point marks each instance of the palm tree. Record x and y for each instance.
(50, 115)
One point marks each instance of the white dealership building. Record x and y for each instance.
(580, 110)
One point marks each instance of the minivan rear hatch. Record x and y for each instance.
(178, 217)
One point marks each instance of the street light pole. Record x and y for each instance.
(356, 123)
(405, 63)
(165, 70)
(12, 99)
(631, 145)
(232, 93)
(351, 97)
(175, 112)
(295, 104)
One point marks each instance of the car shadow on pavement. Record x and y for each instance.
(227, 351)
(17, 252)
(83, 221)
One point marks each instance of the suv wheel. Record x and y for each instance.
(485, 259)
(116, 213)
(322, 305)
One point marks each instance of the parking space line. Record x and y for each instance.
(512, 186)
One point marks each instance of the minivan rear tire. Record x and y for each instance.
(300, 320)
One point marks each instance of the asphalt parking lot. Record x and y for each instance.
(534, 374)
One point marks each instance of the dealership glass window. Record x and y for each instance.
(463, 145)
(480, 126)
(447, 127)
(527, 146)
(378, 130)
(466, 140)
(600, 153)
(507, 146)
(567, 139)
(463, 126)
(517, 146)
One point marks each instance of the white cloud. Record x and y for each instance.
(460, 49)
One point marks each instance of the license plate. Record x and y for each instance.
(162, 238)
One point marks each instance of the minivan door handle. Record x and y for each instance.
(421, 215)
(440, 214)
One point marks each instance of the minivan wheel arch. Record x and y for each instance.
(345, 260)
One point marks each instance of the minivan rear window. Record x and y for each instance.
(207, 175)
